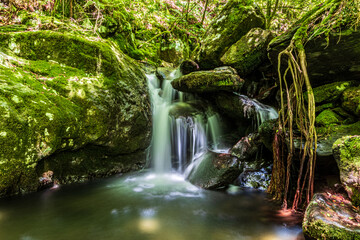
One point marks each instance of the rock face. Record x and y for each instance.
(331, 216)
(215, 171)
(338, 56)
(346, 151)
(249, 52)
(222, 79)
(188, 66)
(67, 98)
(234, 21)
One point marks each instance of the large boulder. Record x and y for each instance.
(60, 94)
(331, 216)
(338, 54)
(347, 155)
(215, 171)
(351, 100)
(234, 21)
(249, 52)
(247, 147)
(221, 79)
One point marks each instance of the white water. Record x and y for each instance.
(257, 111)
(178, 140)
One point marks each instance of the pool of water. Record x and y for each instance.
(142, 206)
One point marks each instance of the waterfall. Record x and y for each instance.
(181, 138)
(257, 111)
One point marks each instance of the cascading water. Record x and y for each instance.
(178, 140)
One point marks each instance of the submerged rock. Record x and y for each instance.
(223, 79)
(215, 171)
(234, 21)
(347, 155)
(64, 93)
(331, 216)
(249, 52)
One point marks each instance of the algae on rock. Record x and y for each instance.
(61, 92)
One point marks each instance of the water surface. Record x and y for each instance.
(141, 206)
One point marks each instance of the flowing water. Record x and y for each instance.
(157, 204)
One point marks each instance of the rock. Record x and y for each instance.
(351, 100)
(346, 151)
(338, 54)
(247, 147)
(188, 66)
(327, 117)
(64, 93)
(331, 134)
(234, 21)
(172, 51)
(164, 73)
(208, 81)
(256, 175)
(267, 133)
(331, 92)
(215, 171)
(249, 52)
(330, 216)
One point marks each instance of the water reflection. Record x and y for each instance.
(167, 208)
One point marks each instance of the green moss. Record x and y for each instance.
(351, 100)
(355, 198)
(327, 118)
(329, 93)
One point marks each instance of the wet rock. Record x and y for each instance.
(185, 109)
(330, 216)
(249, 52)
(208, 81)
(351, 100)
(215, 171)
(164, 73)
(346, 151)
(188, 66)
(256, 175)
(62, 93)
(267, 132)
(247, 147)
(234, 21)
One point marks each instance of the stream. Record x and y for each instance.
(157, 203)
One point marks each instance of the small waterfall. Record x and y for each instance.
(178, 139)
(257, 111)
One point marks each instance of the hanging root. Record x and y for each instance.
(297, 112)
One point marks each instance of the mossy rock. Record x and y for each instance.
(61, 92)
(351, 100)
(235, 20)
(330, 93)
(327, 117)
(249, 52)
(346, 152)
(215, 171)
(209, 81)
(331, 217)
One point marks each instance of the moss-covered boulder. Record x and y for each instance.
(347, 155)
(331, 92)
(234, 21)
(351, 100)
(249, 52)
(338, 53)
(172, 52)
(215, 171)
(327, 117)
(247, 147)
(223, 79)
(331, 216)
(64, 93)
